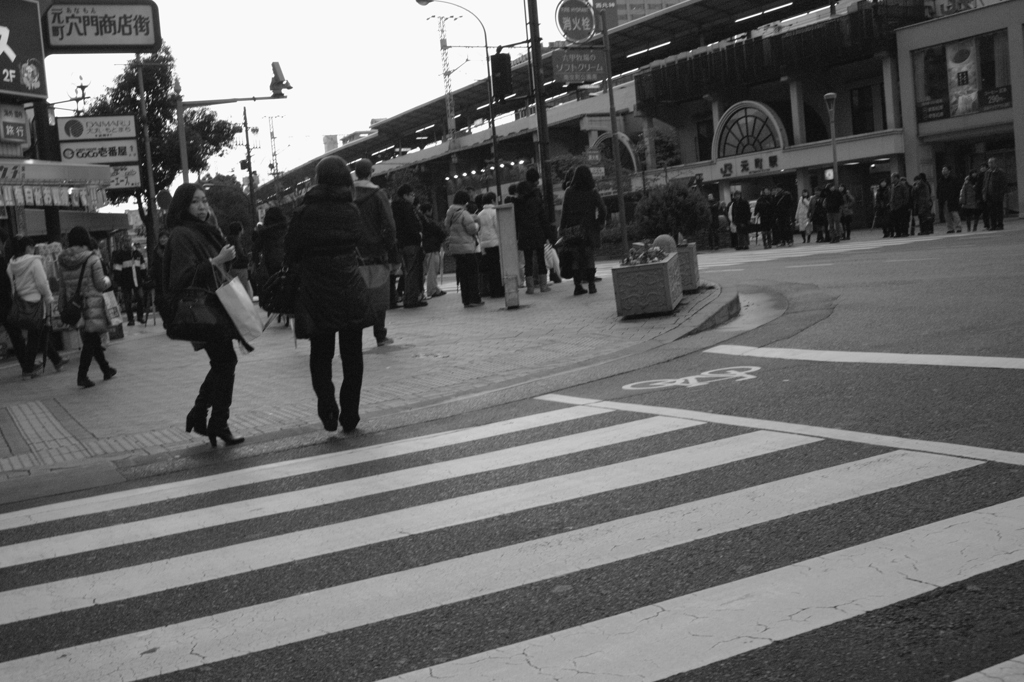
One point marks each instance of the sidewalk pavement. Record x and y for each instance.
(441, 351)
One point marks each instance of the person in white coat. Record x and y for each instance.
(803, 216)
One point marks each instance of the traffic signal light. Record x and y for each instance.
(501, 75)
(244, 164)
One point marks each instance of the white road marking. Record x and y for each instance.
(976, 361)
(278, 470)
(245, 510)
(969, 451)
(135, 581)
(812, 265)
(235, 633)
(657, 641)
(1008, 671)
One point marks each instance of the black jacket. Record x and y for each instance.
(187, 262)
(532, 228)
(407, 223)
(584, 207)
(433, 234)
(269, 244)
(321, 245)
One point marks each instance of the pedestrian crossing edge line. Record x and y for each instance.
(285, 469)
(861, 357)
(895, 442)
(1007, 671)
(231, 634)
(260, 507)
(698, 629)
(141, 579)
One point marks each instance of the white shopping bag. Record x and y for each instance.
(113, 310)
(240, 309)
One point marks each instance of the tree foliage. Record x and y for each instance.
(207, 135)
(672, 209)
(666, 151)
(228, 200)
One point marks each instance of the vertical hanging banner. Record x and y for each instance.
(21, 51)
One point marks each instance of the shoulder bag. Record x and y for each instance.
(24, 314)
(71, 313)
(199, 316)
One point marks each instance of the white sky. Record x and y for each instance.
(347, 60)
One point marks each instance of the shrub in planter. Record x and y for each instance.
(673, 209)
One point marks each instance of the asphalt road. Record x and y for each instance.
(683, 519)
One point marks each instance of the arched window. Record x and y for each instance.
(747, 130)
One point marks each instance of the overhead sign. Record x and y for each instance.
(13, 124)
(95, 127)
(575, 20)
(611, 12)
(125, 176)
(21, 50)
(100, 151)
(99, 27)
(578, 65)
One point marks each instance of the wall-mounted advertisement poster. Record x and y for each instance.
(963, 77)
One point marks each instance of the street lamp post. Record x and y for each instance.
(830, 103)
(277, 86)
(490, 88)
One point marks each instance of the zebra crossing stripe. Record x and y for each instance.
(232, 634)
(695, 630)
(869, 358)
(985, 454)
(308, 498)
(279, 470)
(1008, 671)
(135, 581)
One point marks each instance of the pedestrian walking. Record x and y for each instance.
(969, 202)
(159, 295)
(947, 192)
(715, 209)
(462, 228)
(82, 275)
(764, 211)
(739, 218)
(490, 262)
(196, 250)
(268, 245)
(802, 216)
(28, 285)
(532, 231)
(921, 204)
(409, 235)
(130, 273)
(240, 265)
(979, 189)
(783, 208)
(378, 244)
(819, 216)
(583, 207)
(333, 299)
(995, 193)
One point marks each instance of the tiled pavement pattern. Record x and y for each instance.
(440, 352)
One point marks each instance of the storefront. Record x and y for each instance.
(29, 187)
(959, 74)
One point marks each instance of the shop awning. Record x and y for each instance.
(33, 172)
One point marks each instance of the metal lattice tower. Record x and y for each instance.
(274, 170)
(449, 99)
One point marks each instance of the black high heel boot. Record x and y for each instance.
(196, 421)
(224, 433)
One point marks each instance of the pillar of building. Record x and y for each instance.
(650, 155)
(891, 92)
(1015, 46)
(796, 105)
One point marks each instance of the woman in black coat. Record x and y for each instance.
(333, 299)
(584, 206)
(195, 251)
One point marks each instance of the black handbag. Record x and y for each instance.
(279, 293)
(199, 317)
(24, 314)
(573, 235)
(71, 313)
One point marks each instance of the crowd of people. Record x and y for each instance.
(899, 207)
(346, 224)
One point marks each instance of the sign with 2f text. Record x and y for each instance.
(22, 76)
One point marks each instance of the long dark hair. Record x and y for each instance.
(583, 179)
(177, 212)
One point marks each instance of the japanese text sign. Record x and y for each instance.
(21, 51)
(95, 127)
(129, 27)
(575, 20)
(578, 66)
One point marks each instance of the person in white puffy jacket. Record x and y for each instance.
(490, 263)
(29, 283)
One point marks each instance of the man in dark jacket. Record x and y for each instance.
(268, 244)
(947, 191)
(408, 232)
(783, 211)
(129, 275)
(377, 244)
(763, 209)
(994, 193)
(899, 205)
(739, 216)
(532, 230)
(433, 237)
(833, 208)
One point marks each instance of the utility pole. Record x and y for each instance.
(543, 142)
(616, 154)
(150, 184)
(248, 164)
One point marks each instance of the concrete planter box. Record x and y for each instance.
(647, 289)
(688, 270)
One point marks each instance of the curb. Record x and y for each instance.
(717, 306)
